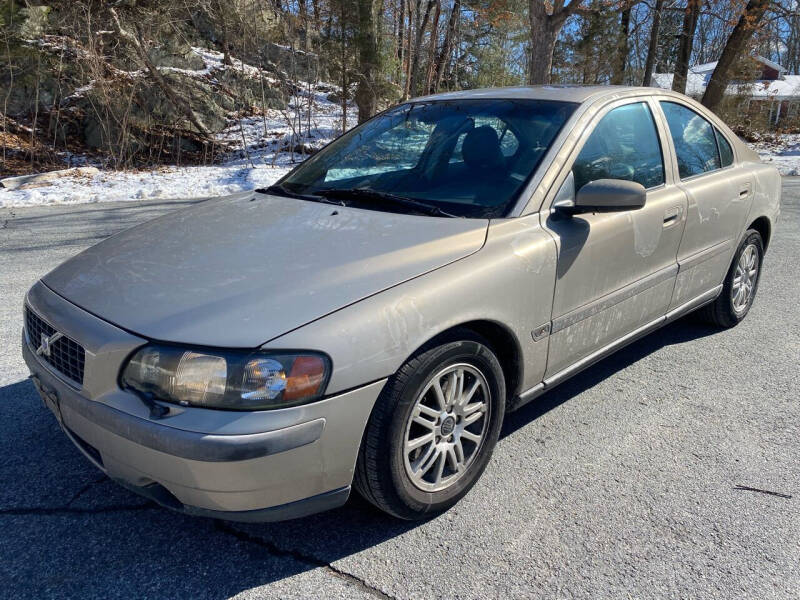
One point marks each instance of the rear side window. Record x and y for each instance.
(624, 145)
(693, 138)
(725, 150)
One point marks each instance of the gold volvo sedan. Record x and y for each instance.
(368, 320)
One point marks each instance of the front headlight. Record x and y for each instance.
(227, 379)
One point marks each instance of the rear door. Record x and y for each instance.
(719, 195)
(616, 271)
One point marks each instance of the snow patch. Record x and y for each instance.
(782, 152)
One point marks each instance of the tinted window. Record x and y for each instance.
(624, 145)
(725, 150)
(469, 158)
(693, 137)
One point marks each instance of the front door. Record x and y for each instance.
(616, 270)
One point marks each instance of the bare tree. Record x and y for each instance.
(546, 22)
(618, 76)
(447, 46)
(690, 17)
(652, 48)
(432, 47)
(418, 46)
(749, 22)
(368, 58)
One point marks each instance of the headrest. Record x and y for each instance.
(481, 148)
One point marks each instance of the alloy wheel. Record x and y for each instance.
(447, 427)
(744, 279)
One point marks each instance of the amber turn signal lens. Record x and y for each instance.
(305, 378)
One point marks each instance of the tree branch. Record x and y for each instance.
(141, 52)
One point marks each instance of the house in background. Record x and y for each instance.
(767, 92)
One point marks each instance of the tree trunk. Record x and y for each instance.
(412, 13)
(447, 46)
(432, 48)
(685, 46)
(544, 33)
(418, 47)
(345, 82)
(401, 28)
(226, 52)
(618, 77)
(740, 36)
(652, 49)
(317, 18)
(366, 95)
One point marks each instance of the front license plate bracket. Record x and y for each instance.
(49, 397)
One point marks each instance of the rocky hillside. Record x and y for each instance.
(139, 85)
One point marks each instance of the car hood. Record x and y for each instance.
(242, 270)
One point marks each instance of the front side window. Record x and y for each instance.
(693, 138)
(468, 158)
(623, 145)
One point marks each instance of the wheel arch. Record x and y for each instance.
(763, 226)
(502, 341)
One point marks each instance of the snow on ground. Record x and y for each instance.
(783, 152)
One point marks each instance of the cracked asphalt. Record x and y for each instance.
(669, 470)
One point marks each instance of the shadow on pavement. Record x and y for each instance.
(69, 531)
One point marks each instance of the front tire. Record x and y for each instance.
(433, 428)
(741, 284)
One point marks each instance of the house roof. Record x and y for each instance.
(704, 68)
(710, 66)
(787, 88)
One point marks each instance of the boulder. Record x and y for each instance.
(176, 54)
(250, 90)
(32, 78)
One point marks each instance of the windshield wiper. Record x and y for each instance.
(282, 191)
(368, 194)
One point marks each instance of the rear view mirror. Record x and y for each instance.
(607, 195)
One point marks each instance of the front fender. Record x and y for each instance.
(509, 281)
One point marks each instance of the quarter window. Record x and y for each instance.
(693, 138)
(623, 145)
(725, 150)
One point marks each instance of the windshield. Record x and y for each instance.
(465, 158)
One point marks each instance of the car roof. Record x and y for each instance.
(564, 93)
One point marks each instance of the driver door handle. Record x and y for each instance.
(672, 215)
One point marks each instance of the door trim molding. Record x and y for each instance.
(704, 255)
(605, 302)
(587, 361)
(696, 302)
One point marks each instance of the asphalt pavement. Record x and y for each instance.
(670, 470)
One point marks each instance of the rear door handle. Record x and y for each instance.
(744, 192)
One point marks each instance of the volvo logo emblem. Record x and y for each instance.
(46, 343)
(448, 425)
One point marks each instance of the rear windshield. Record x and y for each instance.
(470, 158)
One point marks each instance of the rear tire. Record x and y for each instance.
(428, 439)
(741, 284)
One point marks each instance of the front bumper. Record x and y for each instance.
(257, 466)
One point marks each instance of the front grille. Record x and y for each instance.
(66, 355)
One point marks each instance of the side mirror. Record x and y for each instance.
(607, 195)
(601, 195)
